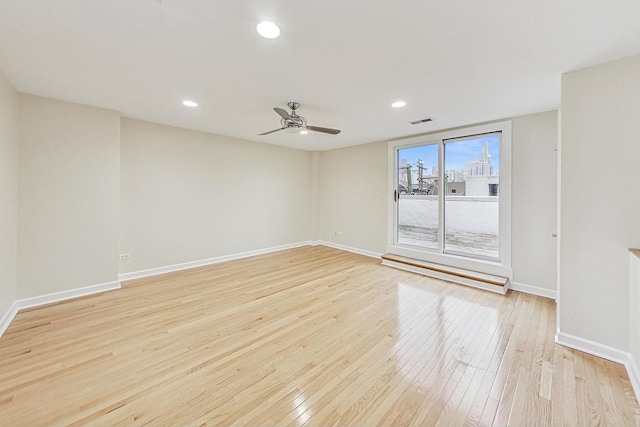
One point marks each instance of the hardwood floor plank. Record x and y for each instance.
(458, 407)
(554, 364)
(408, 408)
(569, 390)
(400, 371)
(594, 403)
(312, 336)
(503, 390)
(467, 360)
(481, 405)
(527, 386)
(614, 408)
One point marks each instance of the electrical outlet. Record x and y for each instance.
(124, 256)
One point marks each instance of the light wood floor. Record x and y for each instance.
(311, 335)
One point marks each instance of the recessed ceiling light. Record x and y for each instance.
(268, 30)
(188, 103)
(398, 104)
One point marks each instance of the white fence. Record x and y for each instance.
(465, 214)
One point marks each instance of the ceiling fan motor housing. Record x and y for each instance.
(294, 121)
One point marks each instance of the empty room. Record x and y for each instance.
(274, 213)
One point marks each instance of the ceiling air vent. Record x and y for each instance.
(417, 122)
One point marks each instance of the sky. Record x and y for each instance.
(457, 153)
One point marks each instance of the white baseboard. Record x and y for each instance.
(605, 352)
(224, 258)
(591, 347)
(534, 290)
(65, 295)
(346, 248)
(8, 316)
(52, 298)
(208, 261)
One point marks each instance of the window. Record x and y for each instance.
(452, 198)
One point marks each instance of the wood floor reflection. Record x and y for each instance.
(310, 336)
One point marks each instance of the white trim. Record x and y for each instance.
(8, 317)
(224, 258)
(559, 218)
(591, 347)
(605, 352)
(346, 248)
(65, 295)
(534, 290)
(448, 277)
(53, 298)
(208, 261)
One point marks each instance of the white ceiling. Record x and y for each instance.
(458, 61)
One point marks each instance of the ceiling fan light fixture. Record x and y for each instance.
(296, 124)
(294, 129)
(268, 30)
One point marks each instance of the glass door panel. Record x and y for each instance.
(417, 190)
(471, 196)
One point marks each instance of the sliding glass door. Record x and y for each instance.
(447, 194)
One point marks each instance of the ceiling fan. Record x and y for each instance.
(297, 124)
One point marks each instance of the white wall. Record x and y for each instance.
(534, 199)
(88, 177)
(8, 193)
(600, 209)
(189, 196)
(354, 197)
(68, 196)
(316, 182)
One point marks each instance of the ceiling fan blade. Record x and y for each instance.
(271, 131)
(324, 130)
(282, 113)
